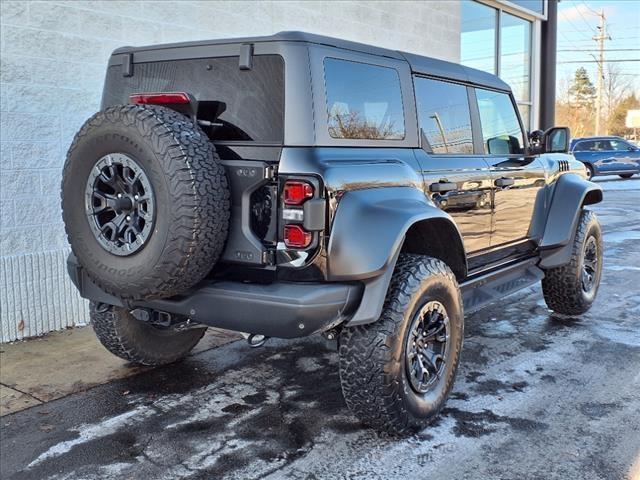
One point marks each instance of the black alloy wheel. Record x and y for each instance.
(427, 347)
(119, 203)
(589, 265)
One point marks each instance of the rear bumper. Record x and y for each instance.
(281, 309)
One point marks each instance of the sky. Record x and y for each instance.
(577, 24)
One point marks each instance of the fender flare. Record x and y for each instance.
(367, 236)
(571, 192)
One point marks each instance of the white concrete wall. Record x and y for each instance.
(52, 63)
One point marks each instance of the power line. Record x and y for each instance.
(582, 16)
(595, 50)
(605, 61)
(591, 9)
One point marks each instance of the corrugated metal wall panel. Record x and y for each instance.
(37, 296)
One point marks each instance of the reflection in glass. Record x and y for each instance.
(501, 132)
(478, 37)
(515, 54)
(363, 101)
(524, 115)
(443, 115)
(533, 5)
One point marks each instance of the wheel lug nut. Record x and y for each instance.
(135, 197)
(119, 195)
(128, 218)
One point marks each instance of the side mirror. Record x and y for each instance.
(498, 146)
(556, 140)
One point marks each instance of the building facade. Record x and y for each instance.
(53, 59)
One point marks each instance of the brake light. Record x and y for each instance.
(296, 237)
(296, 192)
(174, 98)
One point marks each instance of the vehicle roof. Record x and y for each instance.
(601, 137)
(418, 63)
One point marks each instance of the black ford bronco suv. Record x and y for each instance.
(296, 184)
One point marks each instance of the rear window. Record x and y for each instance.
(363, 101)
(251, 101)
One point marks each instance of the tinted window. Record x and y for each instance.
(619, 145)
(443, 115)
(584, 146)
(363, 101)
(501, 131)
(245, 105)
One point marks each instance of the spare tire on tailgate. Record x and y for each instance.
(145, 201)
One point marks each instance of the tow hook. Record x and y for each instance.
(256, 340)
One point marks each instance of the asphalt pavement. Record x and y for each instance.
(537, 397)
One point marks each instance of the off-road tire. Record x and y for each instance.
(372, 359)
(191, 201)
(137, 342)
(626, 175)
(562, 286)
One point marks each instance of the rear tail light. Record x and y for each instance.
(296, 237)
(175, 98)
(296, 192)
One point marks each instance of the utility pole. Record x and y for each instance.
(600, 38)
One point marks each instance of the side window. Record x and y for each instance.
(363, 101)
(619, 145)
(443, 115)
(501, 131)
(584, 146)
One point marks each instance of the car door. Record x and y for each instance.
(626, 155)
(582, 151)
(457, 180)
(604, 156)
(518, 177)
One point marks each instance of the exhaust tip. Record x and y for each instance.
(256, 340)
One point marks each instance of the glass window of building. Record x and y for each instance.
(443, 115)
(515, 56)
(363, 101)
(501, 132)
(478, 36)
(536, 6)
(507, 53)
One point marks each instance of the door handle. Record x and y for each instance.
(504, 182)
(442, 187)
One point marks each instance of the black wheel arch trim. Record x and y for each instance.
(370, 227)
(370, 230)
(571, 194)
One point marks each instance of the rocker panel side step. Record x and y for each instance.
(486, 288)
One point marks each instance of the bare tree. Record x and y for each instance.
(354, 125)
(617, 88)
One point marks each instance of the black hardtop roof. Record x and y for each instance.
(418, 63)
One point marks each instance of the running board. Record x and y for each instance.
(486, 288)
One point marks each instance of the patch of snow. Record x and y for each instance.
(86, 433)
(619, 237)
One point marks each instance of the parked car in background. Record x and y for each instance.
(607, 155)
